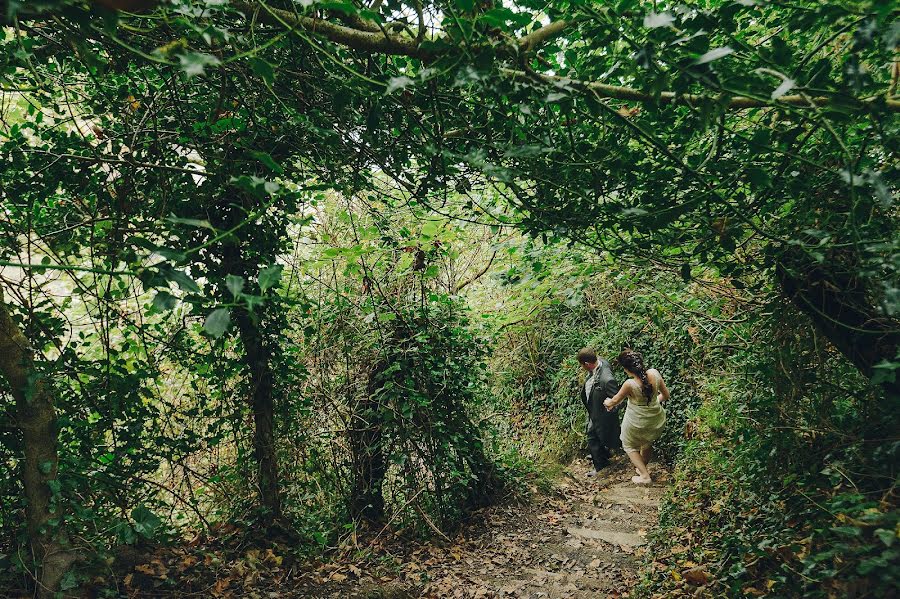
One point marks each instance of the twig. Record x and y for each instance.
(431, 524)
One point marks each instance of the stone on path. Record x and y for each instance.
(608, 536)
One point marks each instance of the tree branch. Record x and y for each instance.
(618, 92)
(363, 37)
(539, 36)
(339, 34)
(477, 275)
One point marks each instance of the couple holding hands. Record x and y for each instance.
(644, 419)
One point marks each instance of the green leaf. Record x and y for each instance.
(270, 276)
(885, 372)
(430, 229)
(256, 185)
(145, 522)
(69, 581)
(714, 54)
(781, 52)
(887, 536)
(235, 284)
(125, 534)
(195, 63)
(263, 69)
(348, 8)
(267, 160)
(164, 301)
(371, 15)
(203, 224)
(759, 178)
(253, 301)
(850, 531)
(499, 17)
(217, 322)
(170, 254)
(46, 467)
(182, 280)
(396, 83)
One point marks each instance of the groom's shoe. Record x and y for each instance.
(595, 470)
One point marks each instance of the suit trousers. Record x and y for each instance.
(600, 453)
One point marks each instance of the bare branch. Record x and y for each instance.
(477, 275)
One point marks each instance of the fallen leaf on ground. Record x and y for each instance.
(697, 576)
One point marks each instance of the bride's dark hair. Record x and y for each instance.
(634, 362)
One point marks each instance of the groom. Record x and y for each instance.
(602, 426)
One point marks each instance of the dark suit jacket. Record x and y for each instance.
(605, 424)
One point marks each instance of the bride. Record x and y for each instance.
(644, 418)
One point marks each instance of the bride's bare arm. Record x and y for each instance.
(663, 390)
(618, 398)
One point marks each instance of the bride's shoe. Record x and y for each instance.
(640, 480)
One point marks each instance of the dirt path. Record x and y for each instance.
(584, 540)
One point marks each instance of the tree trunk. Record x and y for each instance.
(838, 302)
(36, 418)
(258, 355)
(258, 358)
(367, 451)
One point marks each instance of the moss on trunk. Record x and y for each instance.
(36, 419)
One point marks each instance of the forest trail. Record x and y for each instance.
(584, 539)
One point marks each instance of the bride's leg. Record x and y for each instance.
(647, 456)
(643, 473)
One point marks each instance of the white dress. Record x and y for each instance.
(644, 421)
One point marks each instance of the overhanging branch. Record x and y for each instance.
(539, 36)
(367, 39)
(364, 37)
(618, 92)
(404, 45)
(346, 36)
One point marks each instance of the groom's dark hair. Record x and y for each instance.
(586, 355)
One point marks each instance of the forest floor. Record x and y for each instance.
(582, 539)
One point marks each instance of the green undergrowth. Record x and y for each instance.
(783, 455)
(537, 380)
(787, 486)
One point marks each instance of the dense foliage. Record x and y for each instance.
(318, 268)
(787, 486)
